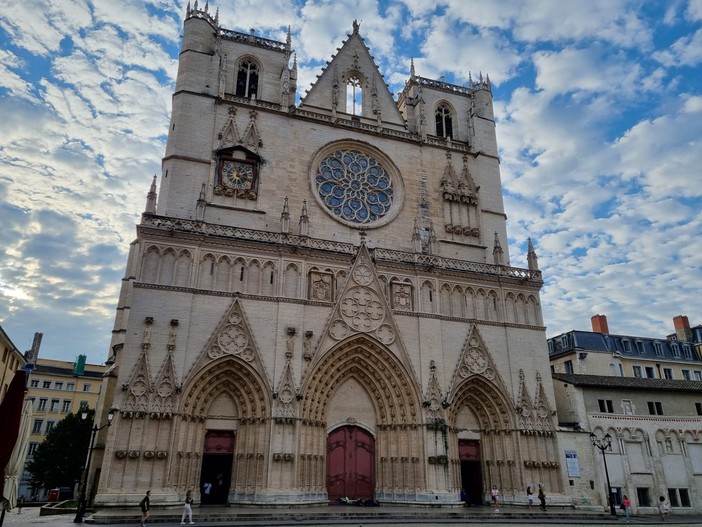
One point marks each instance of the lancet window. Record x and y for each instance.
(444, 121)
(247, 78)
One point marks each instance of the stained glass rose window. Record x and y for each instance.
(354, 186)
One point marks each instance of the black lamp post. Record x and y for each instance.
(82, 501)
(605, 443)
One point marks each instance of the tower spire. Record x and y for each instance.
(497, 252)
(531, 258)
(151, 198)
(285, 218)
(304, 220)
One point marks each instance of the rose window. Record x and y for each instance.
(354, 186)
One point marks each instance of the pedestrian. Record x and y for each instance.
(496, 497)
(664, 507)
(542, 497)
(206, 489)
(187, 509)
(626, 505)
(464, 497)
(144, 504)
(530, 497)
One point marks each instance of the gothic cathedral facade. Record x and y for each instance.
(319, 302)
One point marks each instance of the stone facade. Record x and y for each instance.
(323, 282)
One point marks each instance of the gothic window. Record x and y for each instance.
(268, 279)
(445, 300)
(247, 78)
(167, 267)
(354, 96)
(183, 267)
(354, 187)
(444, 122)
(291, 281)
(151, 262)
(253, 277)
(238, 275)
(223, 269)
(428, 297)
(207, 272)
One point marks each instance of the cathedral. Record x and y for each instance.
(319, 302)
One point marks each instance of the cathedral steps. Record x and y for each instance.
(338, 515)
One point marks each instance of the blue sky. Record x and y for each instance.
(599, 109)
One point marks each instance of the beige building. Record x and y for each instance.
(320, 300)
(647, 394)
(57, 388)
(11, 360)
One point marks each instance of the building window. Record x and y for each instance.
(698, 407)
(444, 123)
(83, 404)
(637, 371)
(66, 407)
(354, 96)
(650, 373)
(568, 365)
(46, 384)
(32, 448)
(86, 387)
(58, 385)
(70, 386)
(35, 383)
(679, 497)
(54, 405)
(655, 408)
(640, 346)
(606, 406)
(627, 345)
(686, 375)
(673, 346)
(42, 405)
(668, 373)
(687, 351)
(36, 427)
(247, 79)
(643, 496)
(50, 426)
(698, 375)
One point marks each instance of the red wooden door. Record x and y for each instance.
(350, 463)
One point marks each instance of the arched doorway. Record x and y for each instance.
(216, 473)
(471, 471)
(350, 463)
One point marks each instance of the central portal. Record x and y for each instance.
(471, 473)
(216, 473)
(350, 463)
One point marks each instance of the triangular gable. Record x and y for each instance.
(433, 400)
(138, 386)
(362, 308)
(543, 409)
(162, 401)
(475, 360)
(285, 405)
(353, 60)
(525, 408)
(229, 136)
(233, 337)
(252, 138)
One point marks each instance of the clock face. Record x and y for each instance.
(237, 174)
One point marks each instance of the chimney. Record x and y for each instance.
(682, 328)
(599, 324)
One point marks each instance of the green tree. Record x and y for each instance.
(59, 460)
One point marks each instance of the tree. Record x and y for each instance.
(59, 460)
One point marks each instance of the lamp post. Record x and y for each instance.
(605, 443)
(82, 501)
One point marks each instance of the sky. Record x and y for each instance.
(599, 123)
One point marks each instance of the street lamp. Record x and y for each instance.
(605, 443)
(82, 501)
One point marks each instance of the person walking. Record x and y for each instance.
(530, 497)
(496, 497)
(144, 504)
(542, 497)
(664, 507)
(187, 509)
(626, 505)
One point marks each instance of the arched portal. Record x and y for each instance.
(483, 423)
(386, 407)
(223, 433)
(350, 464)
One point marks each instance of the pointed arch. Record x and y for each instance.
(184, 265)
(208, 264)
(149, 271)
(444, 118)
(248, 72)
(233, 376)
